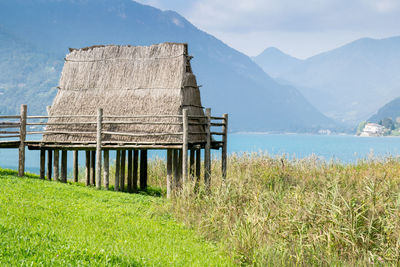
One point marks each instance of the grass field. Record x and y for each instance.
(46, 223)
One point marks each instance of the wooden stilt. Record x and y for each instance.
(56, 165)
(224, 151)
(87, 167)
(135, 170)
(64, 166)
(207, 151)
(191, 164)
(93, 168)
(75, 166)
(129, 179)
(106, 159)
(185, 145)
(122, 175)
(98, 147)
(198, 168)
(42, 162)
(49, 164)
(169, 172)
(180, 172)
(117, 171)
(175, 163)
(143, 169)
(22, 133)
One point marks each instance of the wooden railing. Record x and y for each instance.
(17, 127)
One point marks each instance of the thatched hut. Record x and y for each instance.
(130, 99)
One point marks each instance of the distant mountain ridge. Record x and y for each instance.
(390, 110)
(231, 81)
(348, 83)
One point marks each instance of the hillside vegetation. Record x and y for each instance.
(45, 223)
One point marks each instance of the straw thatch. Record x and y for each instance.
(127, 81)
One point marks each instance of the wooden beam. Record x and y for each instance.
(22, 136)
(143, 169)
(42, 163)
(169, 172)
(98, 147)
(64, 166)
(130, 161)
(49, 164)
(122, 175)
(135, 170)
(87, 167)
(75, 166)
(117, 171)
(93, 168)
(106, 159)
(56, 165)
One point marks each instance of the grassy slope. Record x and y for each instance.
(57, 224)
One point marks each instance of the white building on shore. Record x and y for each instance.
(373, 129)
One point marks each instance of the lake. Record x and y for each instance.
(345, 148)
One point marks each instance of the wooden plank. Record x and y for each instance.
(49, 164)
(130, 171)
(142, 116)
(75, 166)
(117, 171)
(10, 136)
(123, 167)
(9, 117)
(217, 133)
(144, 134)
(87, 167)
(185, 146)
(106, 159)
(64, 166)
(141, 123)
(22, 137)
(224, 152)
(98, 147)
(93, 168)
(8, 132)
(207, 154)
(169, 172)
(42, 163)
(56, 165)
(143, 169)
(135, 170)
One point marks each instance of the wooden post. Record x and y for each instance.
(135, 170)
(185, 145)
(93, 167)
(87, 167)
(56, 165)
(49, 164)
(98, 147)
(106, 159)
(122, 175)
(64, 166)
(143, 169)
(224, 146)
(42, 162)
(22, 138)
(169, 172)
(207, 150)
(175, 163)
(191, 164)
(75, 166)
(117, 165)
(198, 168)
(130, 171)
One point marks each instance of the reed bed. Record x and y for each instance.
(280, 211)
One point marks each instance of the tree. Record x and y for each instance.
(388, 123)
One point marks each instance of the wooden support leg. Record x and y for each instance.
(169, 172)
(180, 169)
(75, 166)
(198, 168)
(117, 171)
(64, 166)
(56, 165)
(191, 164)
(106, 159)
(143, 169)
(135, 170)
(93, 167)
(122, 176)
(42, 162)
(129, 171)
(87, 167)
(175, 163)
(49, 164)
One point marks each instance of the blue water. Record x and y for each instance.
(347, 149)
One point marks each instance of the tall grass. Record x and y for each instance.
(272, 210)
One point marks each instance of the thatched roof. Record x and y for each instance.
(127, 81)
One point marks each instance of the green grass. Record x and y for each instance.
(46, 223)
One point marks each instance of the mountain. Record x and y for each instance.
(273, 61)
(390, 110)
(349, 83)
(232, 82)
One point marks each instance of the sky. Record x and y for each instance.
(301, 28)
